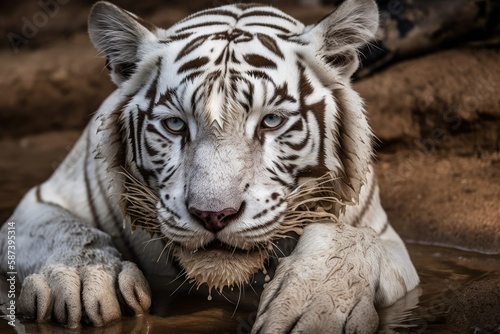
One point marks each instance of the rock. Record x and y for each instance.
(476, 308)
(443, 100)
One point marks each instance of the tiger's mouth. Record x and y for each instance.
(220, 246)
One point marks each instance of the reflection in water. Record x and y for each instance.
(443, 272)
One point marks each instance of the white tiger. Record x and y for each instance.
(228, 131)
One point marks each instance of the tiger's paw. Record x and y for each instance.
(327, 285)
(64, 294)
(318, 314)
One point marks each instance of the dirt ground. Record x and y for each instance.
(437, 119)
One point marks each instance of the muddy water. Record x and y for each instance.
(443, 272)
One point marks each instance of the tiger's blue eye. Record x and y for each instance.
(174, 124)
(272, 121)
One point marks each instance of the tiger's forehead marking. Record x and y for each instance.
(223, 48)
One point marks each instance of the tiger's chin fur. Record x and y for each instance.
(221, 268)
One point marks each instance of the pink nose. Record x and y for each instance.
(214, 221)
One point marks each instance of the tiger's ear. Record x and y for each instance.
(338, 36)
(120, 36)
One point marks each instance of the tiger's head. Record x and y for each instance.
(226, 119)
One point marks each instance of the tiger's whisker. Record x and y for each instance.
(179, 275)
(238, 302)
(185, 280)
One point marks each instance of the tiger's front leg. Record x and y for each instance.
(70, 269)
(331, 283)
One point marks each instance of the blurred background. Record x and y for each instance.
(431, 83)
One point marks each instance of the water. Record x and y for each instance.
(443, 272)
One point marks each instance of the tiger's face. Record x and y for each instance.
(224, 116)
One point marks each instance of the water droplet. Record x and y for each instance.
(209, 297)
(267, 278)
